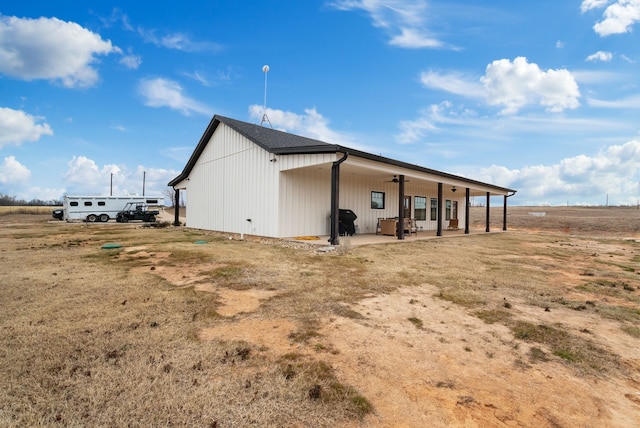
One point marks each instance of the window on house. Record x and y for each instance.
(377, 200)
(407, 207)
(420, 208)
(434, 209)
(447, 209)
(87, 203)
(454, 210)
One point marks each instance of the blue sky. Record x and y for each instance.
(540, 96)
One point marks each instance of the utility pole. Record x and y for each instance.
(144, 177)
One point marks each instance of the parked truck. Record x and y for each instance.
(100, 208)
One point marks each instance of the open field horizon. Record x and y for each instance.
(534, 327)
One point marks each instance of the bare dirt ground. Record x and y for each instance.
(536, 327)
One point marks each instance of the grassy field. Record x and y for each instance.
(26, 209)
(179, 327)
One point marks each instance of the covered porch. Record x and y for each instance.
(444, 199)
(373, 239)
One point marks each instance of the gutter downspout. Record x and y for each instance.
(504, 212)
(335, 200)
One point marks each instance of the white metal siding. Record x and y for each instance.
(305, 202)
(232, 181)
(290, 162)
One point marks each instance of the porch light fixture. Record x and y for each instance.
(453, 189)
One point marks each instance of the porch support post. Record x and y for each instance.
(401, 207)
(467, 204)
(504, 214)
(439, 216)
(335, 200)
(176, 208)
(488, 211)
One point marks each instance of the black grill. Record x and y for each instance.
(346, 219)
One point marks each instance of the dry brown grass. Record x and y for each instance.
(94, 337)
(26, 209)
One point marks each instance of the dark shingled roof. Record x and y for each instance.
(275, 141)
(284, 143)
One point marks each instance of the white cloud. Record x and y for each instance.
(131, 60)
(311, 124)
(48, 48)
(592, 4)
(40, 193)
(412, 131)
(160, 92)
(615, 172)
(180, 154)
(85, 176)
(14, 181)
(13, 172)
(512, 85)
(619, 16)
(198, 77)
(520, 83)
(177, 41)
(632, 102)
(559, 44)
(16, 127)
(412, 38)
(415, 130)
(599, 77)
(219, 77)
(600, 56)
(403, 20)
(83, 170)
(156, 179)
(459, 123)
(454, 83)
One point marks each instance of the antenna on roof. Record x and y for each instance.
(265, 70)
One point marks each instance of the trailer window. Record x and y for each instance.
(102, 203)
(73, 204)
(87, 203)
(152, 201)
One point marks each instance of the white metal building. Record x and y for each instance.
(249, 179)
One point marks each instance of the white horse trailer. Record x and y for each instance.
(100, 208)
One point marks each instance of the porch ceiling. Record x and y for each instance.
(413, 179)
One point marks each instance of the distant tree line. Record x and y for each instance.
(11, 201)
